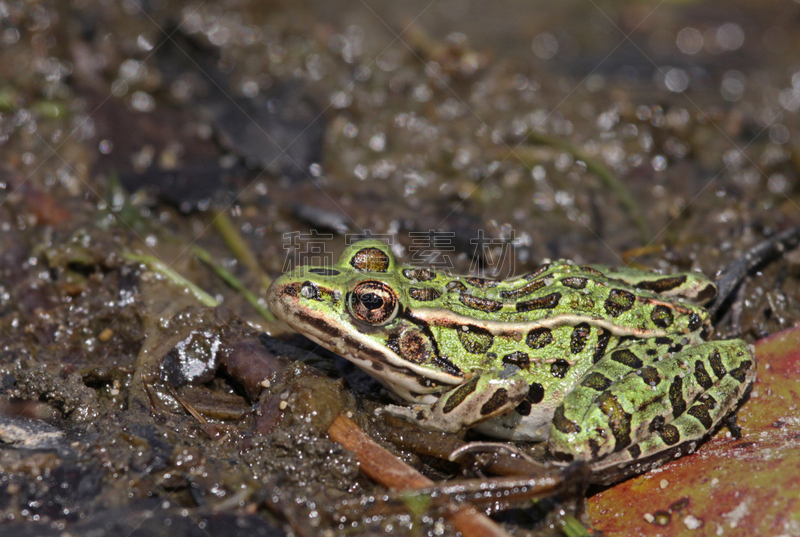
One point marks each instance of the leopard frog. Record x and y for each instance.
(609, 365)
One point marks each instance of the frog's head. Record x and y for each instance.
(355, 308)
(359, 289)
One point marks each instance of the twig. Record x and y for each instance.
(733, 275)
(386, 469)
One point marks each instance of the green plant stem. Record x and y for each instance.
(232, 281)
(241, 250)
(605, 175)
(156, 265)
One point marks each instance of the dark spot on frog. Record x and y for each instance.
(419, 274)
(661, 340)
(702, 376)
(694, 321)
(292, 289)
(525, 290)
(650, 375)
(676, 397)
(564, 425)
(480, 304)
(559, 368)
(662, 316)
(656, 425)
(377, 366)
(456, 285)
(662, 284)
(545, 302)
(524, 408)
(740, 373)
(517, 358)
(707, 294)
(619, 301)
(670, 435)
(424, 294)
(474, 339)
(498, 399)
(602, 345)
(675, 348)
(536, 271)
(324, 271)
(444, 363)
(535, 393)
(539, 338)
(716, 364)
(596, 381)
(458, 395)
(619, 421)
(575, 282)
(701, 410)
(591, 270)
(481, 282)
(635, 451)
(580, 334)
(626, 357)
(534, 397)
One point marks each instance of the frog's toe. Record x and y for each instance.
(423, 416)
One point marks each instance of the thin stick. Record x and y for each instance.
(386, 469)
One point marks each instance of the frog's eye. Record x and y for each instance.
(374, 303)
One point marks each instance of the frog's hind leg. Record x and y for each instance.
(631, 405)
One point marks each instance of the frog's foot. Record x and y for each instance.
(481, 398)
(650, 409)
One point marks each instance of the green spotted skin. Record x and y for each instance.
(609, 365)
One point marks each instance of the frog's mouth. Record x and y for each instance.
(408, 380)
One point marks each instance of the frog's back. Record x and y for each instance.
(559, 293)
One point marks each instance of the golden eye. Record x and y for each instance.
(374, 303)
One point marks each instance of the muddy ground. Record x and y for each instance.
(137, 136)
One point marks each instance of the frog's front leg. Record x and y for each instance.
(480, 398)
(623, 409)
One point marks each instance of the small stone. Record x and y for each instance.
(105, 335)
(692, 522)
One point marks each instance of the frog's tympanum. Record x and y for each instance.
(609, 365)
